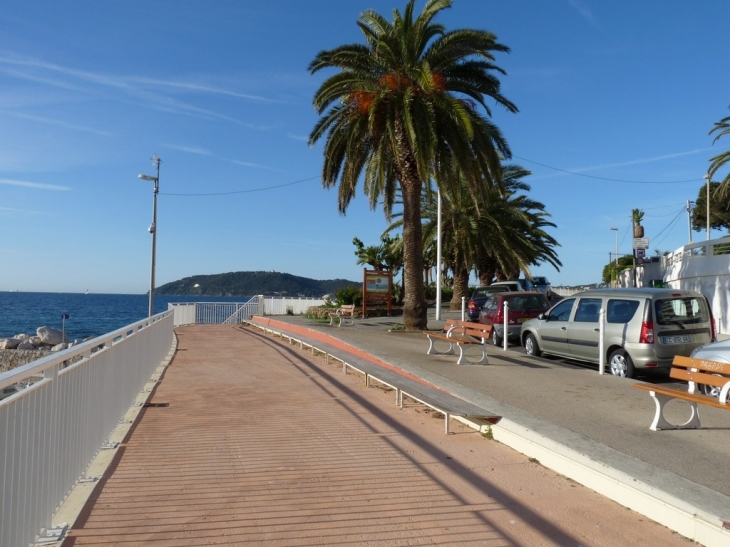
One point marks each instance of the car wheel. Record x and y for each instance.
(531, 347)
(621, 364)
(496, 340)
(711, 391)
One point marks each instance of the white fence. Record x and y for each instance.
(51, 430)
(231, 313)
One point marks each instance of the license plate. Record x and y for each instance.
(523, 319)
(676, 339)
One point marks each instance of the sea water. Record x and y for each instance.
(89, 314)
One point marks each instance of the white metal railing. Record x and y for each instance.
(231, 313)
(52, 429)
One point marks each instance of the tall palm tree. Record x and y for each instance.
(722, 128)
(409, 103)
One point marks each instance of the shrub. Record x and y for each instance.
(349, 295)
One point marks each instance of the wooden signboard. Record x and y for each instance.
(377, 287)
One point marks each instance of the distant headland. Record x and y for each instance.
(253, 283)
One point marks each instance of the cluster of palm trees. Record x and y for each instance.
(407, 113)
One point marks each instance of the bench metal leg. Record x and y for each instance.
(464, 361)
(432, 349)
(660, 421)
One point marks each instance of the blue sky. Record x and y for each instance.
(89, 91)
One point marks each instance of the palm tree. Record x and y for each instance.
(404, 106)
(515, 224)
(723, 128)
(637, 215)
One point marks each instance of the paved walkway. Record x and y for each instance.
(250, 441)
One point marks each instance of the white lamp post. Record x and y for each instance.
(153, 227)
(616, 230)
(707, 180)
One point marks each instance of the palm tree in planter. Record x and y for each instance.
(405, 106)
(637, 215)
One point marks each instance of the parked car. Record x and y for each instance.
(479, 297)
(714, 351)
(542, 285)
(514, 285)
(522, 306)
(645, 328)
(525, 284)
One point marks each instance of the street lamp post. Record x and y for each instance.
(153, 227)
(616, 230)
(707, 180)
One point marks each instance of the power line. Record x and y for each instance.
(606, 178)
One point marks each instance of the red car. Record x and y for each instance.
(521, 307)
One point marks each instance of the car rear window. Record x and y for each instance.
(525, 303)
(621, 311)
(686, 310)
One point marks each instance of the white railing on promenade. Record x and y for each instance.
(231, 313)
(51, 430)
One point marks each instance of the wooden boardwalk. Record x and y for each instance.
(251, 441)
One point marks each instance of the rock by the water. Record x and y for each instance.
(50, 336)
(26, 344)
(9, 343)
(60, 347)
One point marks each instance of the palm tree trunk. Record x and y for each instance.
(461, 287)
(487, 269)
(414, 301)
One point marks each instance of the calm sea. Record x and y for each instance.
(89, 314)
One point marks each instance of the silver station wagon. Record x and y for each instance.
(645, 328)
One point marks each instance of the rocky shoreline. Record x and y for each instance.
(24, 348)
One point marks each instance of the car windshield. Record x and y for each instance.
(681, 311)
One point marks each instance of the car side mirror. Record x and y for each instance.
(544, 317)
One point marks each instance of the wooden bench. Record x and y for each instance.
(696, 372)
(344, 315)
(461, 334)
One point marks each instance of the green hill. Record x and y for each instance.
(253, 283)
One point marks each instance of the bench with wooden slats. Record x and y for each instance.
(344, 315)
(461, 334)
(696, 372)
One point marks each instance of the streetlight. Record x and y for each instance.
(153, 227)
(616, 230)
(707, 180)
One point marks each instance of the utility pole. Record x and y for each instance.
(689, 219)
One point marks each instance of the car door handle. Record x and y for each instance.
(597, 330)
(563, 328)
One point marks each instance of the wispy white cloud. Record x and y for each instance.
(146, 92)
(587, 169)
(21, 211)
(188, 149)
(641, 160)
(35, 185)
(257, 166)
(583, 10)
(303, 138)
(50, 121)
